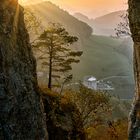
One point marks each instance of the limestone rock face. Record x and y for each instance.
(21, 112)
(134, 18)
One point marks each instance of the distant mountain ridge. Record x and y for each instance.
(103, 25)
(49, 12)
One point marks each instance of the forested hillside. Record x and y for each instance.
(49, 12)
(105, 57)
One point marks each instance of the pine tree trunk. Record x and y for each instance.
(21, 114)
(50, 64)
(134, 18)
(50, 72)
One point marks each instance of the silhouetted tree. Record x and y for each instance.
(54, 45)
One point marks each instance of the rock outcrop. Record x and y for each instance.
(134, 18)
(21, 112)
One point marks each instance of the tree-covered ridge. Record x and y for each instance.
(48, 12)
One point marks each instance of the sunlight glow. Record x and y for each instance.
(92, 8)
(23, 2)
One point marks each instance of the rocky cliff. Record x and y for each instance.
(134, 22)
(21, 115)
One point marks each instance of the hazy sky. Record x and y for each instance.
(91, 8)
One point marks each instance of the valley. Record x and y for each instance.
(103, 55)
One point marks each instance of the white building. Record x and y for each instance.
(92, 83)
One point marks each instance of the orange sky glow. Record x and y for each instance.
(92, 8)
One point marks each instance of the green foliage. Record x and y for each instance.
(91, 110)
(92, 105)
(62, 116)
(54, 44)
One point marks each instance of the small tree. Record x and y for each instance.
(33, 24)
(93, 106)
(122, 28)
(54, 44)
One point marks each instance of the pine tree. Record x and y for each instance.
(54, 44)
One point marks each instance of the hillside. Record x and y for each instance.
(49, 12)
(104, 58)
(103, 25)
